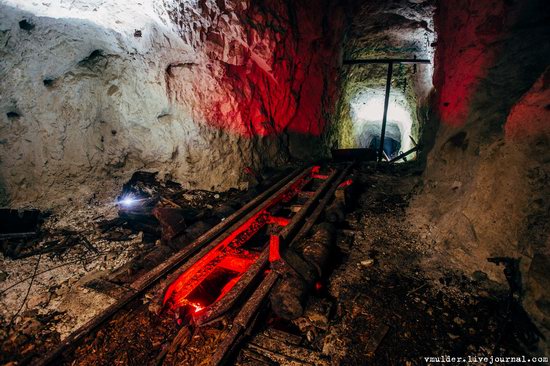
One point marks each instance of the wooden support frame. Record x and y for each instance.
(244, 319)
(143, 283)
(389, 62)
(386, 61)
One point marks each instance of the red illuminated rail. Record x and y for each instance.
(207, 280)
(211, 275)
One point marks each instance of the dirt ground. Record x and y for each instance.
(44, 298)
(393, 298)
(397, 301)
(390, 297)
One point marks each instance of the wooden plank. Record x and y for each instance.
(182, 338)
(386, 61)
(284, 336)
(214, 233)
(222, 306)
(312, 219)
(288, 356)
(18, 235)
(257, 359)
(231, 297)
(288, 231)
(377, 338)
(228, 232)
(242, 320)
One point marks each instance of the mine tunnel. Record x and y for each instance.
(264, 182)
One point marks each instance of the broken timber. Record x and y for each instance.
(291, 230)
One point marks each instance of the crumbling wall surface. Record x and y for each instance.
(485, 189)
(197, 90)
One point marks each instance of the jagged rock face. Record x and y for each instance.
(484, 192)
(92, 91)
(272, 61)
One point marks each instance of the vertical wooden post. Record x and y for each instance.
(384, 119)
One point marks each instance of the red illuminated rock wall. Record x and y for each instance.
(203, 90)
(485, 186)
(529, 118)
(271, 66)
(467, 48)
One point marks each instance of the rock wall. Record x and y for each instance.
(195, 89)
(485, 186)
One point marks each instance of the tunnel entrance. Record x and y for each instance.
(381, 108)
(367, 110)
(386, 84)
(391, 147)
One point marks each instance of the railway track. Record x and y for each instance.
(224, 277)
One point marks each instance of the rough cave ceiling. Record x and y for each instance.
(400, 28)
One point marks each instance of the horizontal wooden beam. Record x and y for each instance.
(386, 61)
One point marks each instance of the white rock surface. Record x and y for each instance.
(116, 102)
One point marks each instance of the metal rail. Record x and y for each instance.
(152, 277)
(385, 117)
(222, 235)
(244, 320)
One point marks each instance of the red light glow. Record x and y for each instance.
(282, 76)
(346, 183)
(466, 57)
(212, 276)
(529, 117)
(198, 308)
(274, 254)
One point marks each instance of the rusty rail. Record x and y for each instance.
(290, 230)
(152, 277)
(243, 322)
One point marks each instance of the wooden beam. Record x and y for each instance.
(143, 283)
(406, 153)
(385, 118)
(386, 61)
